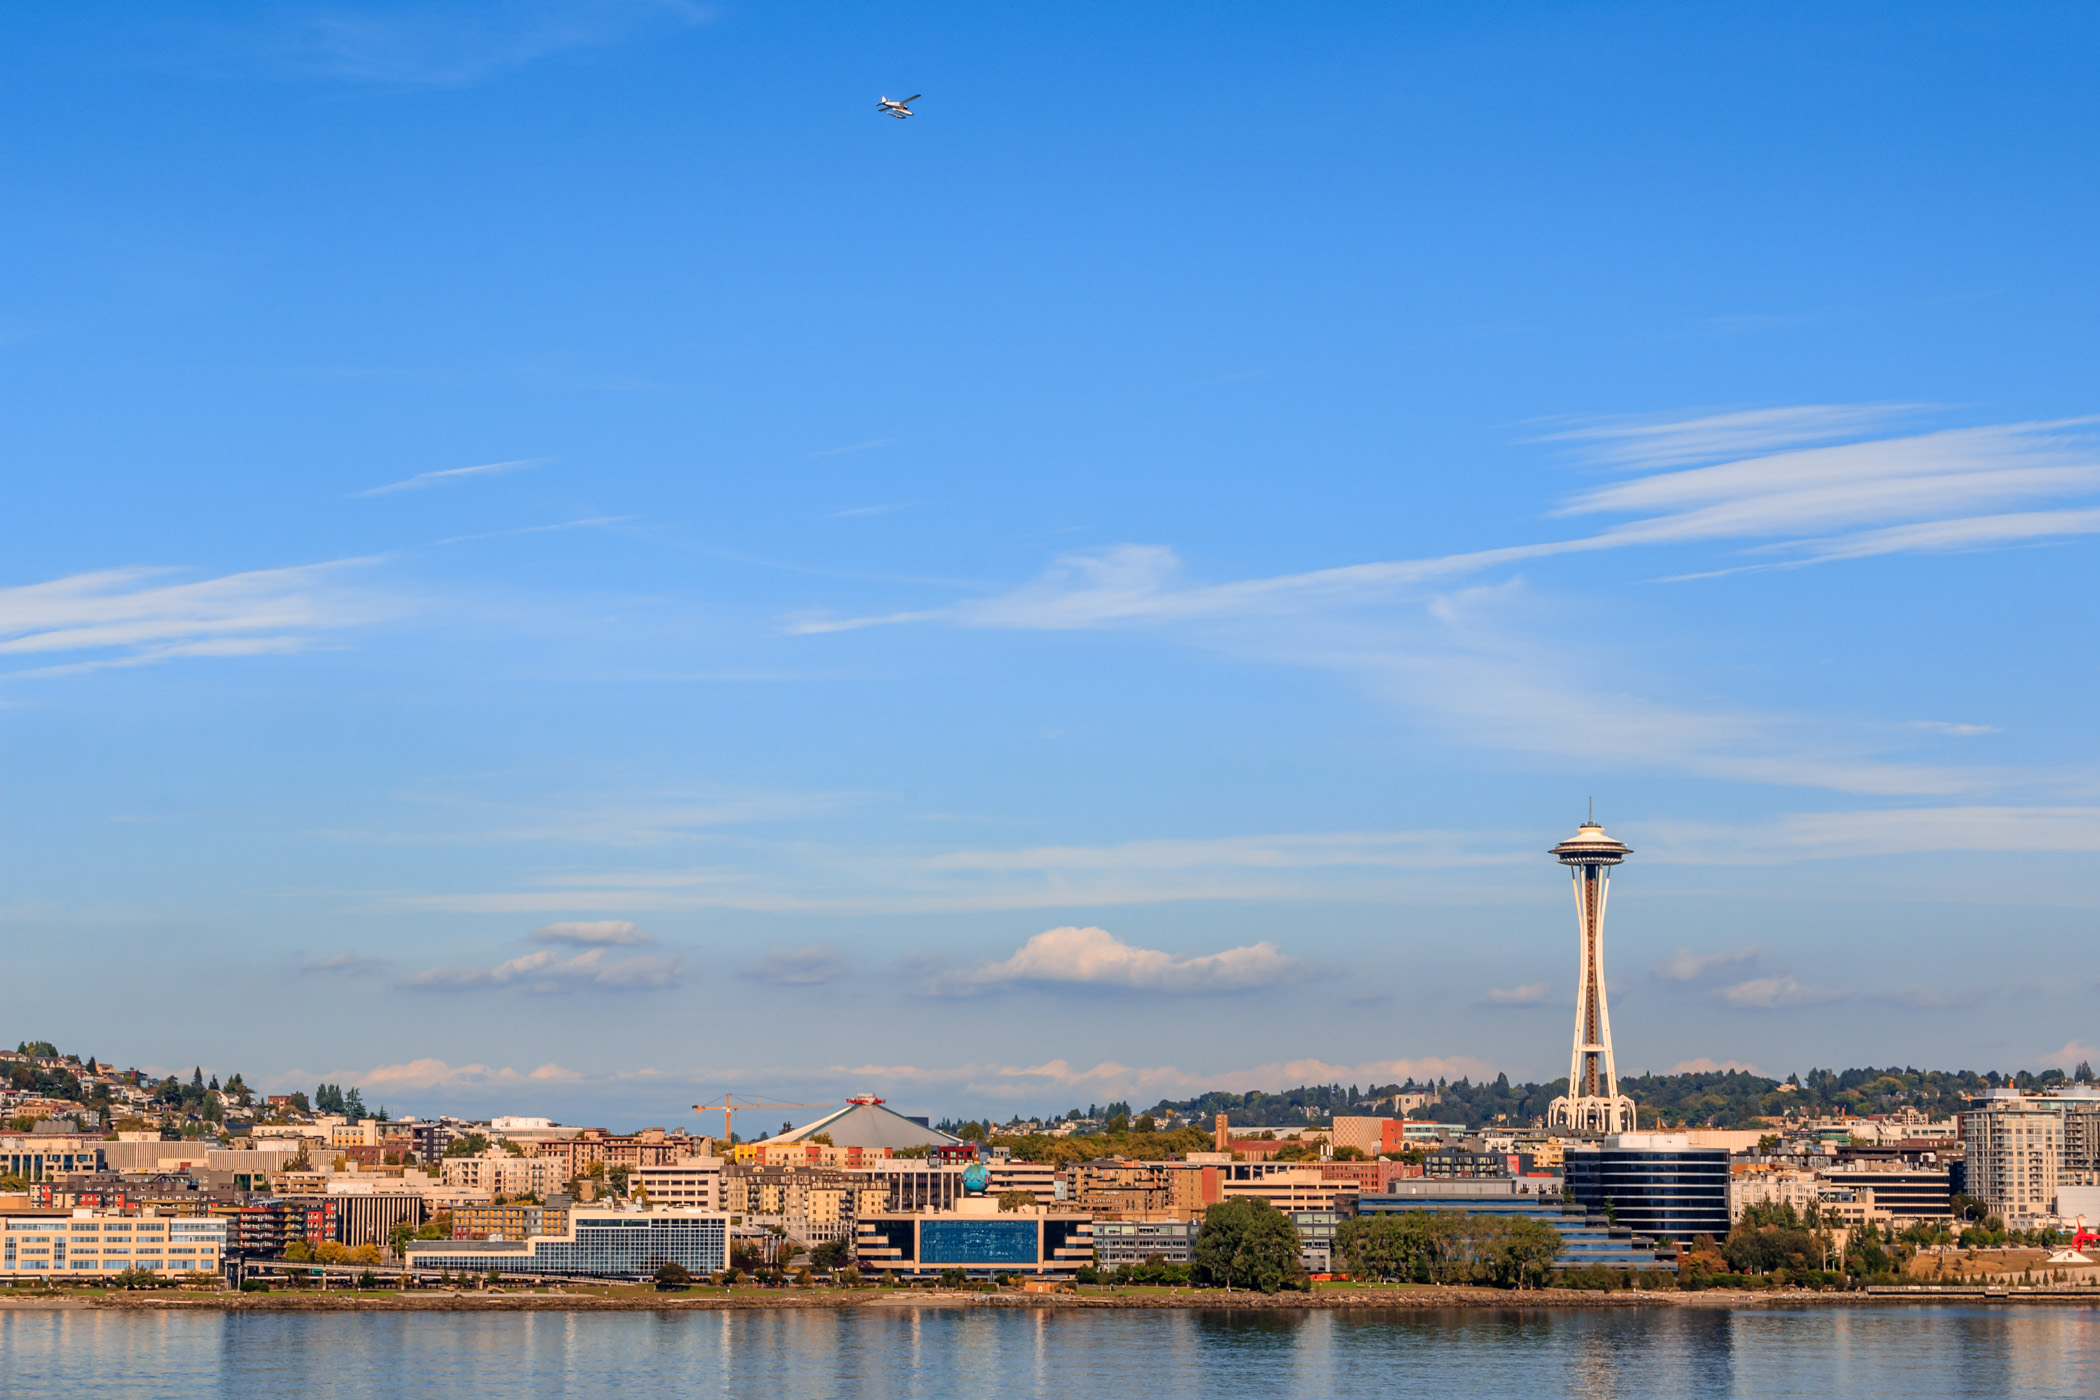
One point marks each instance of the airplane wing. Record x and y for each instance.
(913, 98)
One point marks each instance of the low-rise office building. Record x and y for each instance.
(87, 1241)
(690, 1181)
(1586, 1239)
(508, 1222)
(1655, 1184)
(40, 1156)
(1118, 1242)
(977, 1238)
(599, 1243)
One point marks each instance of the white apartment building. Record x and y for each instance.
(92, 1241)
(690, 1181)
(502, 1174)
(2013, 1150)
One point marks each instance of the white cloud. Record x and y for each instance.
(132, 617)
(549, 971)
(1769, 993)
(799, 967)
(1686, 966)
(1530, 994)
(1702, 1065)
(602, 934)
(2068, 1056)
(424, 480)
(1093, 957)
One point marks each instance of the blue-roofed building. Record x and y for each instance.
(1586, 1239)
(603, 1243)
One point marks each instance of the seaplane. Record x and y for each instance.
(899, 108)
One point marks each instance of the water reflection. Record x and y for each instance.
(879, 1352)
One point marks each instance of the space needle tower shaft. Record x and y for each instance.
(1593, 1102)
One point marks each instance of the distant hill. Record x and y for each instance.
(1712, 1099)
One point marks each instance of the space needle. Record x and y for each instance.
(1593, 1103)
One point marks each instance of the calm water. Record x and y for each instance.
(947, 1353)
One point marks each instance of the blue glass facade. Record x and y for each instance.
(963, 1243)
(610, 1246)
(1665, 1193)
(1585, 1240)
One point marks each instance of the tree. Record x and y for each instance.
(299, 1252)
(197, 1077)
(353, 1105)
(831, 1255)
(1016, 1200)
(1248, 1244)
(671, 1276)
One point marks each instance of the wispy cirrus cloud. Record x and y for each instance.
(342, 964)
(448, 43)
(1094, 957)
(437, 1074)
(803, 877)
(1772, 488)
(1530, 994)
(135, 616)
(603, 933)
(863, 880)
(423, 481)
(795, 967)
(1884, 832)
(1924, 491)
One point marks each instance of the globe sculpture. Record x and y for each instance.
(976, 1178)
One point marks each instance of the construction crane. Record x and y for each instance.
(728, 1107)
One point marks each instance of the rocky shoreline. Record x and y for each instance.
(1361, 1300)
(1400, 1299)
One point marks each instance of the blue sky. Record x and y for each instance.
(557, 561)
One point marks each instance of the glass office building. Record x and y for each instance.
(598, 1244)
(1655, 1184)
(1586, 1238)
(976, 1240)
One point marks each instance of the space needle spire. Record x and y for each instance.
(1593, 1103)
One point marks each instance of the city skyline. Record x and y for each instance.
(561, 562)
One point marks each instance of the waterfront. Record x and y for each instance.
(1831, 1352)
